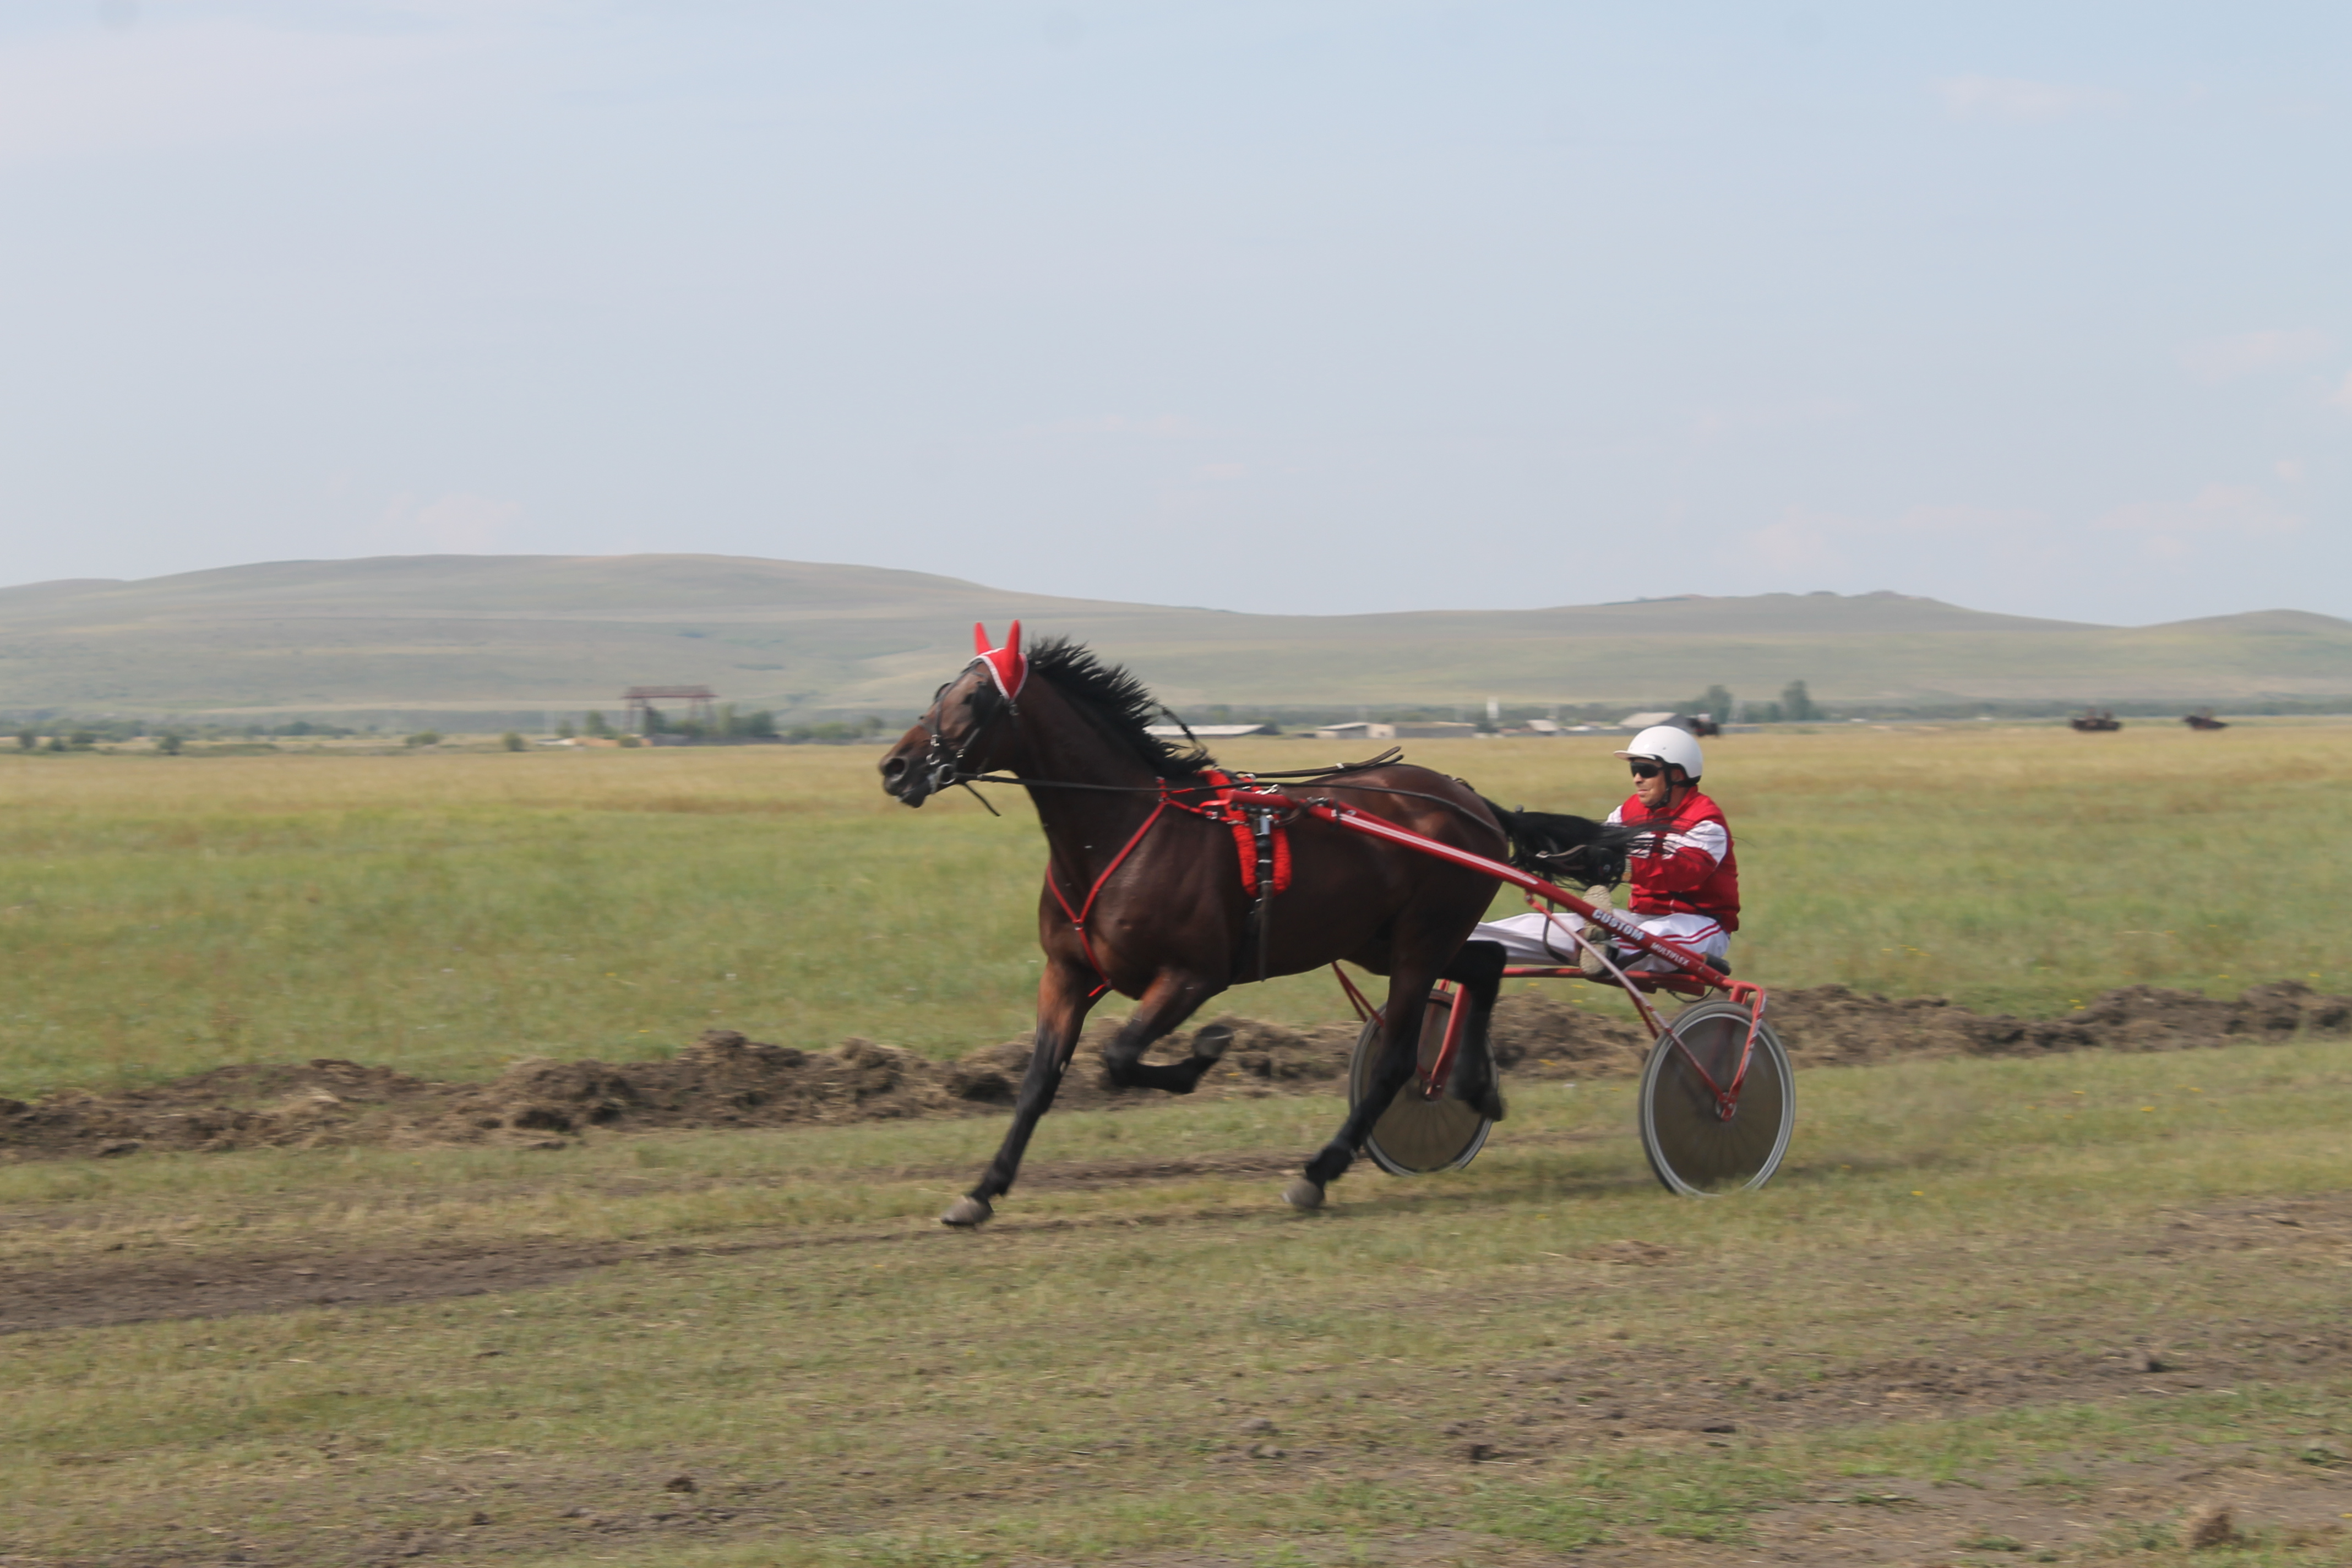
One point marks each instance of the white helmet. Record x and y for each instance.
(1666, 743)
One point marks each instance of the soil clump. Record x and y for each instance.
(725, 1080)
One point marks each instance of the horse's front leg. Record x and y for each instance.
(1063, 999)
(1400, 1049)
(1170, 999)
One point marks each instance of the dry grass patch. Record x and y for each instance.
(1946, 1301)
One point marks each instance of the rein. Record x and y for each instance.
(1324, 777)
(1268, 876)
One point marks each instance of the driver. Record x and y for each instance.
(1685, 877)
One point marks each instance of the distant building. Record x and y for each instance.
(1403, 731)
(1209, 731)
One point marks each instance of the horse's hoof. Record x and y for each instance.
(1304, 1194)
(967, 1214)
(1486, 1099)
(1210, 1044)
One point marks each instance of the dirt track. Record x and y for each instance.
(725, 1080)
(2180, 1305)
(1520, 1418)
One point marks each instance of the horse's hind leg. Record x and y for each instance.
(1171, 999)
(1478, 966)
(1400, 1047)
(1064, 1000)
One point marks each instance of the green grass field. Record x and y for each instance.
(448, 914)
(1992, 1311)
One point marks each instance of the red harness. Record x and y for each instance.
(1220, 806)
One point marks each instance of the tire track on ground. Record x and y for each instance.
(149, 1287)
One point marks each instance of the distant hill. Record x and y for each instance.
(399, 636)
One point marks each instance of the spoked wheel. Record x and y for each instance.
(1692, 1146)
(1416, 1136)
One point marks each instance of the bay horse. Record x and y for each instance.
(1145, 896)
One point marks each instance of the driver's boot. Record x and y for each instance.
(1587, 961)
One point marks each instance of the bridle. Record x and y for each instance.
(945, 768)
(1008, 671)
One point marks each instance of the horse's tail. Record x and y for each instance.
(1565, 849)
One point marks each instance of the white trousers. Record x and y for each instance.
(1540, 938)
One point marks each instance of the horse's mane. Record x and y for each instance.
(1117, 700)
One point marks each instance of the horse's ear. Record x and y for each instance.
(1015, 669)
(979, 636)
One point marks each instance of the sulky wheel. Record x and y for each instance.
(1695, 1149)
(1417, 1136)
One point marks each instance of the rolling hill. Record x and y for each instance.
(392, 638)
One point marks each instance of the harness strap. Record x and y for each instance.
(1077, 917)
(1272, 864)
(1261, 839)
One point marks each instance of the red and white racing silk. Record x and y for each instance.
(1687, 867)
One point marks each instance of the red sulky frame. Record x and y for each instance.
(1693, 973)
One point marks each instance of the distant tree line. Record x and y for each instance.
(60, 734)
(50, 731)
(1796, 707)
(728, 726)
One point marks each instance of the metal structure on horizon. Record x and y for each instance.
(701, 705)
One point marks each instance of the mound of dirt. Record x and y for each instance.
(721, 1080)
(1830, 1025)
(726, 1080)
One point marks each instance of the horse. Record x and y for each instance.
(1146, 896)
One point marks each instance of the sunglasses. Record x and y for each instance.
(1647, 770)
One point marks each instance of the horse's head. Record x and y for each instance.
(968, 727)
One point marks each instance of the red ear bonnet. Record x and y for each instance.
(1005, 665)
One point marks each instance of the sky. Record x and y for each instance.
(1283, 305)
